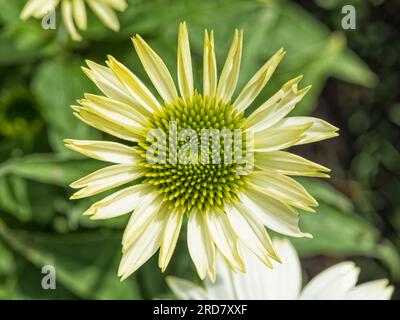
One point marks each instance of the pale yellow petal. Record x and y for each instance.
(278, 106)
(135, 87)
(104, 150)
(105, 179)
(225, 239)
(110, 85)
(79, 11)
(118, 203)
(144, 246)
(117, 106)
(156, 70)
(105, 14)
(201, 248)
(170, 237)
(289, 164)
(284, 188)
(251, 232)
(185, 72)
(209, 66)
(120, 5)
(67, 14)
(114, 111)
(279, 138)
(38, 8)
(230, 73)
(148, 208)
(318, 129)
(257, 82)
(30, 8)
(273, 213)
(99, 122)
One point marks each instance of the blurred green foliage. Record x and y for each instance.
(41, 78)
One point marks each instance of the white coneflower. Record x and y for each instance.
(283, 282)
(74, 12)
(223, 205)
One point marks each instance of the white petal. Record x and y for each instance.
(333, 283)
(230, 73)
(273, 213)
(104, 150)
(259, 282)
(156, 70)
(185, 72)
(373, 290)
(283, 282)
(169, 238)
(257, 82)
(185, 290)
(223, 288)
(200, 245)
(244, 286)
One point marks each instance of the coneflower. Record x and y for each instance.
(228, 192)
(74, 12)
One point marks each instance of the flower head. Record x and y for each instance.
(74, 12)
(283, 282)
(231, 186)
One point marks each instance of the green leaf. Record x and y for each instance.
(338, 231)
(328, 225)
(54, 169)
(14, 197)
(85, 263)
(327, 194)
(57, 85)
(26, 283)
(349, 67)
(6, 260)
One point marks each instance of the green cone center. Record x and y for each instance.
(207, 178)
